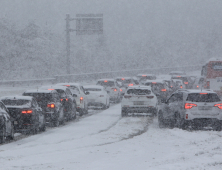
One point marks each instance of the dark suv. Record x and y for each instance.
(27, 115)
(67, 100)
(193, 109)
(51, 105)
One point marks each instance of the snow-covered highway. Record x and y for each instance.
(104, 140)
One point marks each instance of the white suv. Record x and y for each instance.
(139, 99)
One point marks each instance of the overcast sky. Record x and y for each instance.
(125, 21)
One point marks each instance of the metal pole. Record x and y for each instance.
(68, 43)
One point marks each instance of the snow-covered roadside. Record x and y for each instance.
(106, 141)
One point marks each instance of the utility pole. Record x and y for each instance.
(67, 43)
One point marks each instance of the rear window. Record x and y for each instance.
(184, 79)
(138, 91)
(92, 89)
(106, 83)
(197, 97)
(62, 93)
(18, 102)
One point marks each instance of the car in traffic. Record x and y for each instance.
(199, 83)
(6, 124)
(139, 99)
(27, 116)
(80, 95)
(111, 86)
(67, 100)
(142, 78)
(195, 109)
(186, 82)
(178, 84)
(124, 83)
(50, 103)
(159, 88)
(98, 96)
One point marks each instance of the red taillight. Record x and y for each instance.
(67, 85)
(150, 97)
(127, 97)
(218, 105)
(186, 116)
(123, 79)
(189, 105)
(61, 100)
(181, 86)
(185, 82)
(67, 99)
(115, 89)
(81, 99)
(120, 90)
(203, 93)
(163, 90)
(26, 111)
(51, 105)
(130, 85)
(143, 75)
(178, 76)
(51, 89)
(197, 86)
(153, 82)
(105, 81)
(171, 86)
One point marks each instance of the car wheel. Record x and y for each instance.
(185, 124)
(12, 136)
(44, 126)
(81, 112)
(124, 113)
(86, 110)
(161, 120)
(177, 122)
(2, 135)
(218, 126)
(56, 123)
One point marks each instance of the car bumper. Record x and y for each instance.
(140, 109)
(192, 116)
(96, 104)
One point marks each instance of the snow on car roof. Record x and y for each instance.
(16, 97)
(71, 84)
(38, 91)
(123, 77)
(106, 79)
(93, 86)
(197, 91)
(156, 81)
(145, 74)
(140, 87)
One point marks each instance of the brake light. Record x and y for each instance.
(26, 111)
(149, 97)
(115, 89)
(67, 85)
(51, 89)
(197, 86)
(181, 86)
(123, 79)
(61, 100)
(105, 81)
(163, 90)
(218, 105)
(81, 99)
(189, 105)
(143, 75)
(51, 105)
(67, 99)
(127, 97)
(153, 82)
(203, 93)
(171, 86)
(130, 85)
(185, 82)
(178, 76)
(120, 90)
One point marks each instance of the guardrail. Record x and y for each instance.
(97, 75)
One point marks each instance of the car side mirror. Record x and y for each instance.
(74, 95)
(87, 93)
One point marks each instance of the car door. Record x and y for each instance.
(7, 118)
(168, 107)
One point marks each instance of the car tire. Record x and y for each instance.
(56, 123)
(81, 112)
(44, 126)
(161, 120)
(2, 135)
(124, 113)
(12, 136)
(177, 122)
(185, 124)
(218, 126)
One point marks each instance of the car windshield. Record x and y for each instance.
(138, 91)
(106, 83)
(16, 102)
(203, 97)
(92, 89)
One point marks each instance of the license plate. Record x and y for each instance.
(205, 107)
(138, 103)
(15, 122)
